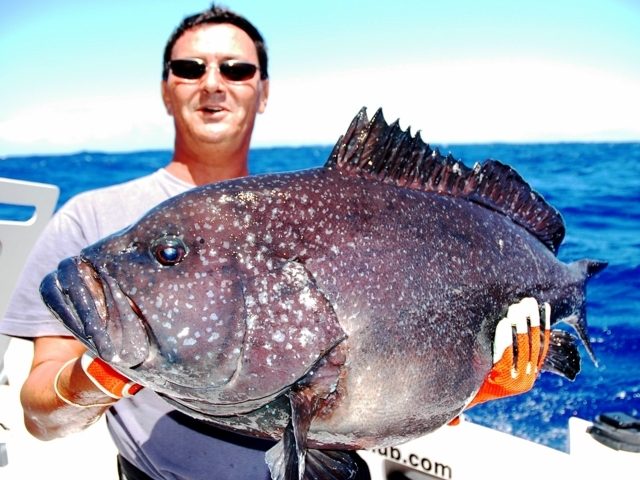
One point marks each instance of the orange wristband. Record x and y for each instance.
(106, 378)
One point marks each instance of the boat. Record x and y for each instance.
(606, 448)
(22, 455)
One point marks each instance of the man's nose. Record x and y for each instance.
(212, 79)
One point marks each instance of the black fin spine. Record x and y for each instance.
(375, 149)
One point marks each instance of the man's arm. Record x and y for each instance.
(46, 415)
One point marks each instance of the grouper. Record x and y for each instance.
(346, 307)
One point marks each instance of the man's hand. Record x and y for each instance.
(519, 349)
(106, 378)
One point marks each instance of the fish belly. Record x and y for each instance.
(418, 282)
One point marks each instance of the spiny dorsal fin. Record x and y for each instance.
(375, 149)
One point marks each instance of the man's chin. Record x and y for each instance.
(217, 133)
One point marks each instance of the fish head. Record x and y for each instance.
(148, 302)
(189, 303)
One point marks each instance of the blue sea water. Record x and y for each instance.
(596, 187)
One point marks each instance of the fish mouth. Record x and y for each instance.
(94, 308)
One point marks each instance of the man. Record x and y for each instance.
(215, 82)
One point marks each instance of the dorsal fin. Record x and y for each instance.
(374, 149)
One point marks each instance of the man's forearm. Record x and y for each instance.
(46, 413)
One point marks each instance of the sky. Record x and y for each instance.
(78, 75)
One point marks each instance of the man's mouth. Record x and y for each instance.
(210, 109)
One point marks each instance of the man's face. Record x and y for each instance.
(213, 109)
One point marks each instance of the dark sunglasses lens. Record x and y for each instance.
(238, 71)
(189, 69)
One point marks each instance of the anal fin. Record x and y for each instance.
(563, 357)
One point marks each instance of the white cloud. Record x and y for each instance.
(471, 101)
(126, 122)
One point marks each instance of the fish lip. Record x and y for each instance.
(92, 306)
(59, 303)
(122, 318)
(91, 280)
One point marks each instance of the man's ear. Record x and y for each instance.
(264, 95)
(166, 99)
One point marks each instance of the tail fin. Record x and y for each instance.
(587, 269)
(591, 267)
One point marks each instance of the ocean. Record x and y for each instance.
(596, 187)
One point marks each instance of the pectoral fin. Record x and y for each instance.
(290, 459)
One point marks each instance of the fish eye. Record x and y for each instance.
(169, 250)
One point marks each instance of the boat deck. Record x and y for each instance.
(70, 458)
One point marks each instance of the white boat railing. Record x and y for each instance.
(17, 237)
(21, 455)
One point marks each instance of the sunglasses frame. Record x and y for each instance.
(226, 69)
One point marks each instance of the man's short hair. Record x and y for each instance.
(217, 15)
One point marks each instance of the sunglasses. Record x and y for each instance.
(195, 68)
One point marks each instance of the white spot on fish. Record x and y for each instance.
(251, 321)
(263, 298)
(306, 335)
(307, 300)
(183, 333)
(278, 336)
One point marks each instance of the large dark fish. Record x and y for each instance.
(336, 308)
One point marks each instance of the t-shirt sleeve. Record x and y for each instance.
(83, 220)
(27, 315)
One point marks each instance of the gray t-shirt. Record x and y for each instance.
(146, 430)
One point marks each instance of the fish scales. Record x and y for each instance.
(455, 270)
(358, 300)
